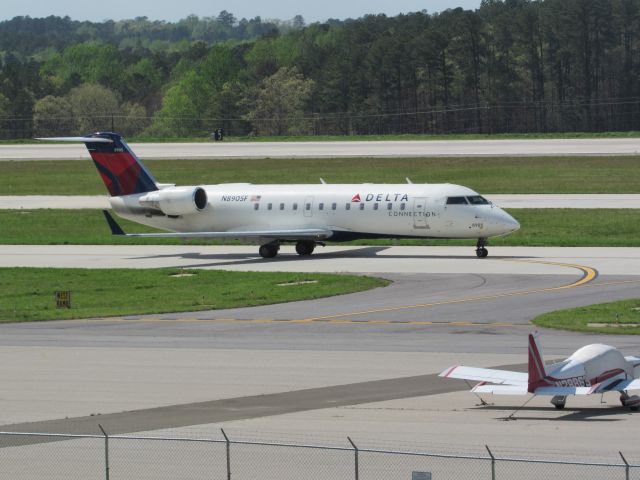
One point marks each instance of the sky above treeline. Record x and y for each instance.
(312, 11)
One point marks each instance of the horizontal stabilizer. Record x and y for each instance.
(77, 139)
(564, 391)
(501, 389)
(500, 377)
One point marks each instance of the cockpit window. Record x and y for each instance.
(456, 201)
(478, 200)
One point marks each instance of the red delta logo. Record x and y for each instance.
(356, 198)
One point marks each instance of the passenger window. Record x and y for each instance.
(347, 206)
(375, 206)
(307, 206)
(321, 206)
(362, 206)
(456, 201)
(402, 205)
(334, 206)
(389, 206)
(269, 206)
(256, 206)
(295, 206)
(478, 200)
(282, 206)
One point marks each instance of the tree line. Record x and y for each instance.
(509, 66)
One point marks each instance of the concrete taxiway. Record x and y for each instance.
(413, 148)
(78, 202)
(311, 370)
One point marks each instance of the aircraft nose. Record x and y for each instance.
(509, 223)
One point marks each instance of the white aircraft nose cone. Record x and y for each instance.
(511, 223)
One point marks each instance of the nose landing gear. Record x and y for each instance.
(481, 251)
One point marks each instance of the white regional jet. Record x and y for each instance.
(594, 368)
(304, 214)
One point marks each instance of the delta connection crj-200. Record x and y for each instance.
(306, 215)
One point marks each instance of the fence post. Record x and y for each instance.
(106, 452)
(493, 463)
(357, 463)
(228, 442)
(626, 466)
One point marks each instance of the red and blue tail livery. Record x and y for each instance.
(121, 170)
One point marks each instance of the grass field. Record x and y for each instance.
(539, 227)
(28, 294)
(618, 174)
(621, 317)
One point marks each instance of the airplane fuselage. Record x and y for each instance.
(350, 211)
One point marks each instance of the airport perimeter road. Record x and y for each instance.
(414, 148)
(77, 202)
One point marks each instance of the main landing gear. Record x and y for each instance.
(481, 251)
(269, 250)
(631, 401)
(303, 248)
(559, 401)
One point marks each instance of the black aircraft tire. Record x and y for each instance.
(305, 248)
(268, 251)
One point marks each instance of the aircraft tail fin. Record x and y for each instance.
(121, 170)
(537, 370)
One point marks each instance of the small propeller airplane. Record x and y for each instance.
(594, 368)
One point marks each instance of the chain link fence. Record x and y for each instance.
(595, 115)
(30, 456)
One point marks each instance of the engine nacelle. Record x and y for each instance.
(176, 200)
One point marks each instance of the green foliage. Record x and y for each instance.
(277, 106)
(198, 96)
(86, 63)
(93, 107)
(53, 116)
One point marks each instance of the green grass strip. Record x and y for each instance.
(539, 227)
(622, 317)
(617, 174)
(28, 294)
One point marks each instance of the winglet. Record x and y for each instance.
(113, 225)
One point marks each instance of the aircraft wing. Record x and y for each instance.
(500, 389)
(289, 234)
(500, 377)
(617, 385)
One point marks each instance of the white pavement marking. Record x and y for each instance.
(411, 148)
(427, 260)
(76, 202)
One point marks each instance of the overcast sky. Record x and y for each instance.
(312, 11)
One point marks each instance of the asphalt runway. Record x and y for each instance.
(413, 148)
(78, 202)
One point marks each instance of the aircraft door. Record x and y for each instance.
(308, 207)
(419, 212)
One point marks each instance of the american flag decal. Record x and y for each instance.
(255, 198)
